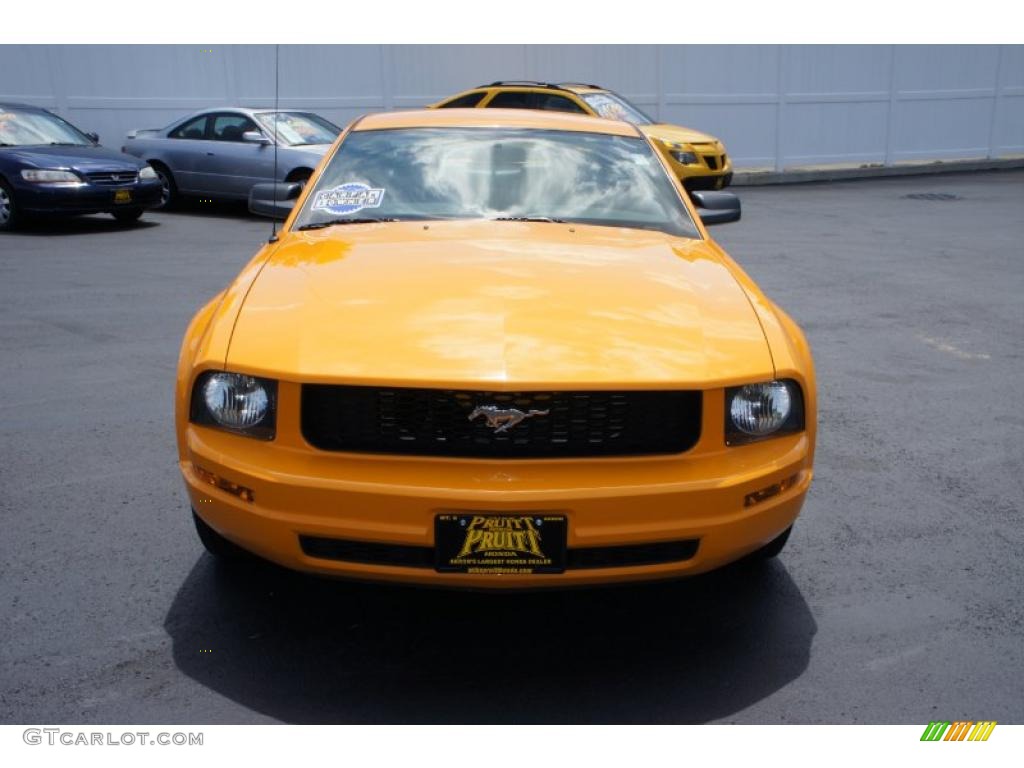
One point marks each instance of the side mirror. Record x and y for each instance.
(716, 207)
(273, 200)
(255, 137)
(93, 137)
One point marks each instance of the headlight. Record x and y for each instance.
(44, 176)
(685, 158)
(759, 410)
(234, 401)
(146, 174)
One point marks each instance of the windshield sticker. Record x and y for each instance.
(348, 198)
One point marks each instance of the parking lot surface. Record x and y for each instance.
(897, 600)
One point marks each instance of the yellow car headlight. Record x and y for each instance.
(761, 410)
(236, 402)
(684, 158)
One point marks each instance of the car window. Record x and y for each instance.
(296, 129)
(23, 128)
(554, 102)
(613, 107)
(490, 173)
(511, 100)
(193, 129)
(469, 100)
(231, 127)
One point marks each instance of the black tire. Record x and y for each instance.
(222, 549)
(299, 176)
(773, 547)
(168, 189)
(10, 217)
(127, 215)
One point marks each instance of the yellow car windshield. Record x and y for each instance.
(611, 106)
(495, 173)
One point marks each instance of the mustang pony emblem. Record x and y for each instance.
(503, 419)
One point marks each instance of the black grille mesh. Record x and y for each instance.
(435, 422)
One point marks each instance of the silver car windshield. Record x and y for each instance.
(296, 129)
(19, 128)
(495, 173)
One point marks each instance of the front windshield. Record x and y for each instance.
(497, 173)
(295, 129)
(19, 128)
(614, 107)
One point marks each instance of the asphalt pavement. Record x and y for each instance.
(897, 600)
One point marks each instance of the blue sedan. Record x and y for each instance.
(47, 166)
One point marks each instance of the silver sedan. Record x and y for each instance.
(221, 153)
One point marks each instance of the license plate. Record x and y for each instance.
(496, 544)
(123, 196)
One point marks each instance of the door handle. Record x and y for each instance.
(209, 154)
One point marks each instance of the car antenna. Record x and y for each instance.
(277, 91)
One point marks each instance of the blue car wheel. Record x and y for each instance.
(8, 209)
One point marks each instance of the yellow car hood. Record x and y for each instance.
(676, 133)
(498, 304)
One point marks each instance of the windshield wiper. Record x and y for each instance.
(65, 144)
(340, 222)
(545, 219)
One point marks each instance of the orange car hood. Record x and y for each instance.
(504, 305)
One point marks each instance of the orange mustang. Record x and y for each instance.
(494, 348)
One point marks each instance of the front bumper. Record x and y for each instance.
(388, 500)
(88, 198)
(707, 182)
(712, 170)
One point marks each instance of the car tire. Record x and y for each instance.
(299, 177)
(9, 214)
(773, 547)
(127, 215)
(222, 549)
(168, 189)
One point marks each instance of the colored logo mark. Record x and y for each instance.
(960, 730)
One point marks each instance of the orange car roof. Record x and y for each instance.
(494, 118)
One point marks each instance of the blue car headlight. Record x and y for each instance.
(49, 176)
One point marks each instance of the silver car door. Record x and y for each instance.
(235, 165)
(184, 151)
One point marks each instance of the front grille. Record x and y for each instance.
(435, 422)
(113, 179)
(712, 162)
(412, 556)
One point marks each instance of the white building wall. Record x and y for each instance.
(773, 106)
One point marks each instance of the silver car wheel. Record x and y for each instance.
(165, 188)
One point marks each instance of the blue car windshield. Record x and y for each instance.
(19, 128)
(497, 173)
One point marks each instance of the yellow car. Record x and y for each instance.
(698, 159)
(494, 350)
